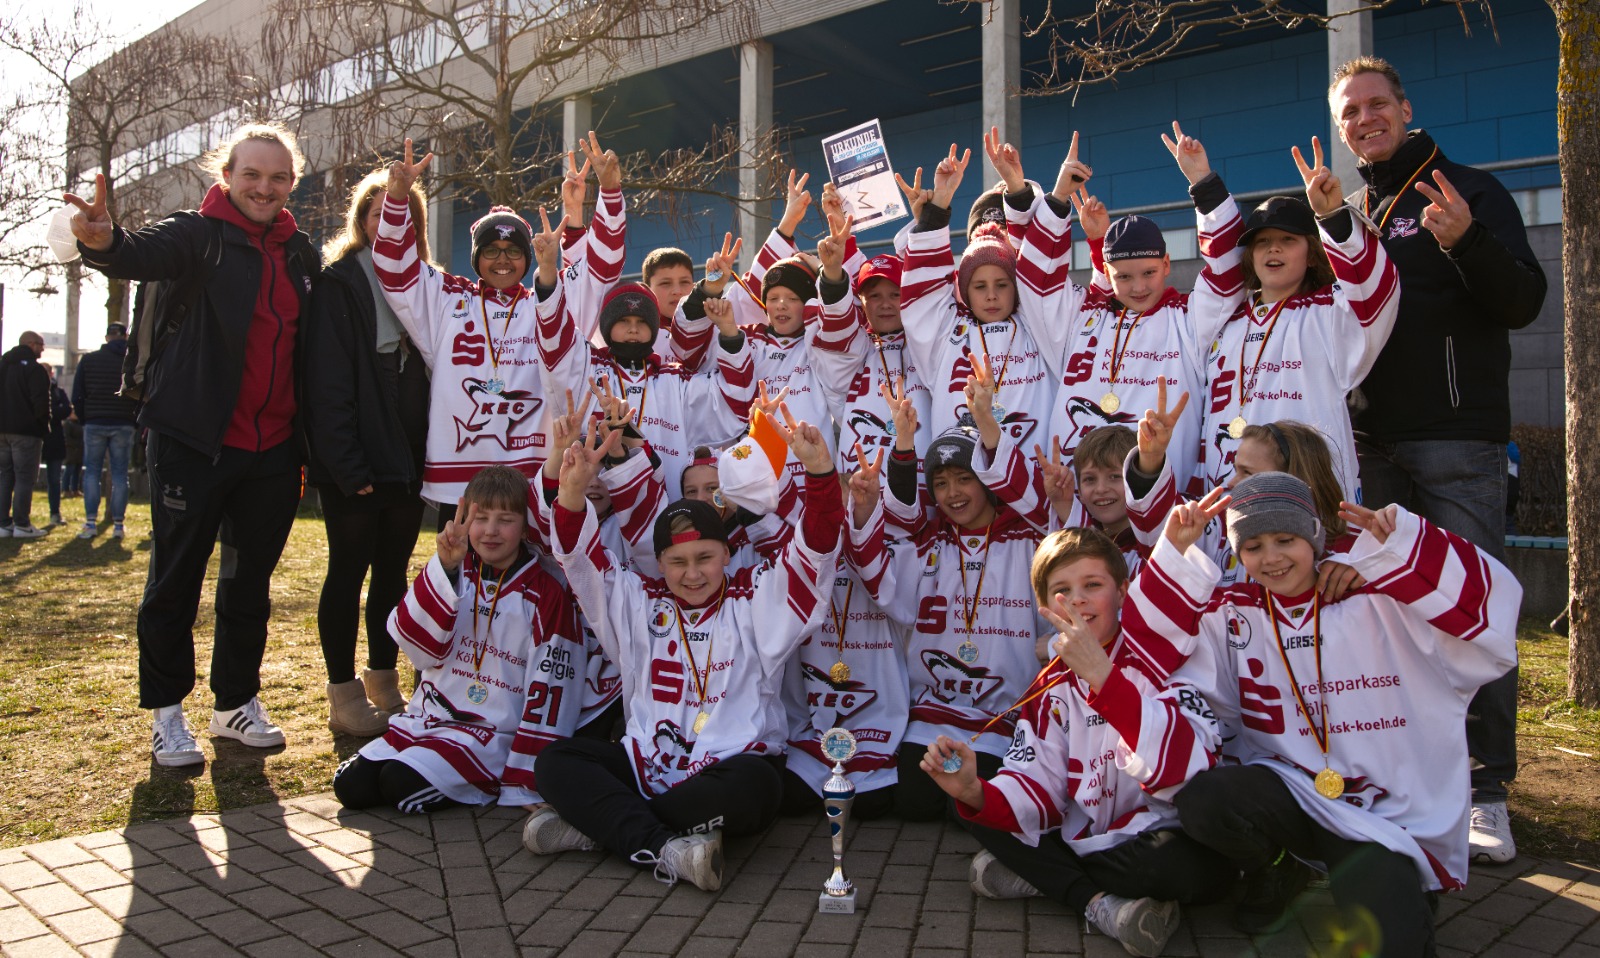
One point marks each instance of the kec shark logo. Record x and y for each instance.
(508, 417)
(669, 741)
(437, 712)
(866, 423)
(1402, 226)
(1087, 416)
(506, 231)
(954, 679)
(844, 698)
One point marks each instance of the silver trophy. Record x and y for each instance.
(838, 895)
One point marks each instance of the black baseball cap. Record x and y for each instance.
(702, 516)
(1288, 213)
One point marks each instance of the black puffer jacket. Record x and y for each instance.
(1443, 374)
(96, 389)
(24, 393)
(366, 417)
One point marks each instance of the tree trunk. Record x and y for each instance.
(1578, 123)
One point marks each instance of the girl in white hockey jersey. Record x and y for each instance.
(954, 314)
(960, 582)
(1082, 812)
(1324, 298)
(488, 405)
(501, 661)
(701, 654)
(1344, 718)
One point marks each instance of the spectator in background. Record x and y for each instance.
(109, 425)
(72, 475)
(1432, 434)
(24, 420)
(55, 443)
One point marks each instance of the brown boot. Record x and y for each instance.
(351, 713)
(383, 689)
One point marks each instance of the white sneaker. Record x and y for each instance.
(547, 833)
(5, 532)
(1141, 925)
(88, 531)
(1490, 833)
(248, 724)
(696, 859)
(116, 531)
(171, 742)
(28, 532)
(991, 879)
(56, 520)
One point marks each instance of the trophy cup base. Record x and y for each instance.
(837, 904)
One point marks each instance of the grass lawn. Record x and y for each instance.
(75, 746)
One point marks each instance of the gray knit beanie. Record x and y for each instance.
(1273, 502)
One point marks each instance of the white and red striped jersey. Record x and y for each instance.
(724, 660)
(1100, 767)
(941, 334)
(1299, 358)
(487, 403)
(968, 598)
(873, 700)
(1098, 349)
(503, 670)
(1400, 658)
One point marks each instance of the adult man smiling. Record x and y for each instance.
(219, 402)
(1438, 411)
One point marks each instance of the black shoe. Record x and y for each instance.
(1268, 893)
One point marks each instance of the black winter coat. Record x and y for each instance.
(55, 441)
(97, 384)
(193, 385)
(366, 419)
(24, 393)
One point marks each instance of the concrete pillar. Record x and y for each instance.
(577, 119)
(1348, 37)
(1002, 69)
(74, 292)
(441, 213)
(755, 131)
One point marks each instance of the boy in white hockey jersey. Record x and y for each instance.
(501, 658)
(1345, 718)
(1082, 810)
(701, 654)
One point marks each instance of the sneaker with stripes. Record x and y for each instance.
(171, 743)
(248, 724)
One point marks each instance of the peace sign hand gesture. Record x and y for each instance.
(547, 249)
(91, 224)
(1073, 173)
(1448, 216)
(607, 168)
(1155, 429)
(1381, 523)
(797, 199)
(1191, 156)
(1060, 485)
(575, 188)
(947, 176)
(451, 543)
(865, 486)
(805, 441)
(1075, 645)
(1005, 159)
(403, 173)
(580, 463)
(903, 412)
(767, 405)
(1188, 520)
(831, 248)
(614, 409)
(916, 196)
(1091, 213)
(1322, 187)
(720, 266)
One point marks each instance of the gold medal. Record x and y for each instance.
(700, 722)
(1236, 428)
(1330, 784)
(839, 672)
(1109, 403)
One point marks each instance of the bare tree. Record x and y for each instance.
(119, 104)
(1112, 37)
(1578, 125)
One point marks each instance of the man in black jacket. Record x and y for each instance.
(220, 406)
(24, 419)
(109, 423)
(1433, 433)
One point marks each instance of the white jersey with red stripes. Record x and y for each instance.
(503, 670)
(1100, 767)
(487, 402)
(1400, 659)
(1299, 358)
(942, 335)
(1109, 361)
(724, 660)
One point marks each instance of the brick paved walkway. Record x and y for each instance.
(302, 878)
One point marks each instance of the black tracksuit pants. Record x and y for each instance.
(1247, 813)
(250, 498)
(591, 784)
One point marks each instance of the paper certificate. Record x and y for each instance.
(858, 165)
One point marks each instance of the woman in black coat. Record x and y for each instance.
(365, 405)
(54, 451)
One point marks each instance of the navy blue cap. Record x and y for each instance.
(1134, 237)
